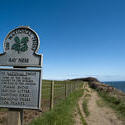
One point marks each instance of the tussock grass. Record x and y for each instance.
(114, 102)
(85, 107)
(62, 114)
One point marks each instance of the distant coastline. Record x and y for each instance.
(120, 85)
(117, 84)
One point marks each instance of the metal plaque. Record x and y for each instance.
(20, 88)
(20, 47)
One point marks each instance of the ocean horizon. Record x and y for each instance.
(116, 84)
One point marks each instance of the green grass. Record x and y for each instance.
(114, 102)
(85, 107)
(62, 114)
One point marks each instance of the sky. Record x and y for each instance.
(78, 38)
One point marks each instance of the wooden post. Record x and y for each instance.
(21, 116)
(65, 89)
(15, 117)
(71, 87)
(52, 95)
(68, 88)
(75, 85)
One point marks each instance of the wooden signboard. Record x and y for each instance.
(20, 47)
(20, 88)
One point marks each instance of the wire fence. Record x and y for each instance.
(55, 91)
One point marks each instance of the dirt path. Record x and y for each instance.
(77, 117)
(99, 115)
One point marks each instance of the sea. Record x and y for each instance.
(117, 84)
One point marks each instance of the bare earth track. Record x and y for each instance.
(98, 115)
(77, 118)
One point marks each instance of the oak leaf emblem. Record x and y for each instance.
(20, 45)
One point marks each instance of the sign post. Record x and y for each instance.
(20, 88)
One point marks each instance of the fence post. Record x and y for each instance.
(65, 89)
(15, 117)
(70, 87)
(75, 85)
(52, 95)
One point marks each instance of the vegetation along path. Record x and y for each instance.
(97, 113)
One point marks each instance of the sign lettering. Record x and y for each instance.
(20, 88)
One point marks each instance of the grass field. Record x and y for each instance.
(62, 114)
(114, 102)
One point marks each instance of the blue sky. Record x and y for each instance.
(78, 38)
